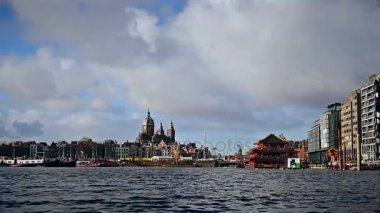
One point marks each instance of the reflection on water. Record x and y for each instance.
(187, 189)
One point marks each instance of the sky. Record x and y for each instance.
(235, 69)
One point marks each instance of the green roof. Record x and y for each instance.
(273, 139)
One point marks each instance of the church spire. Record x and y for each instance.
(160, 131)
(171, 132)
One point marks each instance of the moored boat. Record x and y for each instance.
(209, 162)
(206, 160)
(24, 163)
(60, 163)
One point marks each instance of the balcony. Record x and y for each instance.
(280, 159)
(274, 150)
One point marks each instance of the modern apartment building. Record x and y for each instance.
(314, 145)
(370, 116)
(351, 129)
(325, 135)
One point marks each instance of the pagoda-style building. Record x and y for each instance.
(271, 152)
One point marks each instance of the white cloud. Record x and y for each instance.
(142, 25)
(226, 64)
(45, 99)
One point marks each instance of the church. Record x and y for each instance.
(155, 143)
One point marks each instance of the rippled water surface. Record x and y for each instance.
(187, 189)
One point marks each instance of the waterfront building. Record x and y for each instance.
(20, 149)
(327, 140)
(122, 152)
(110, 149)
(271, 152)
(370, 119)
(189, 150)
(127, 150)
(163, 150)
(314, 144)
(53, 151)
(86, 149)
(301, 149)
(351, 129)
(65, 150)
(38, 150)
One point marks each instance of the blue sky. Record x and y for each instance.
(238, 70)
(11, 41)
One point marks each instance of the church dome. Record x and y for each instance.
(148, 121)
(148, 126)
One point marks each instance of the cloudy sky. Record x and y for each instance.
(234, 68)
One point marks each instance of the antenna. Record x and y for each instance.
(204, 139)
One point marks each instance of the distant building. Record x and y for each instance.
(370, 119)
(110, 149)
(86, 149)
(351, 129)
(271, 152)
(21, 149)
(147, 132)
(127, 150)
(66, 150)
(38, 150)
(301, 150)
(151, 144)
(122, 152)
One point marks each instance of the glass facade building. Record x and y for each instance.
(324, 135)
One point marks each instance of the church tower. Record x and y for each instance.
(171, 132)
(160, 131)
(148, 126)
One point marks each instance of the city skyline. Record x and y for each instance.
(236, 69)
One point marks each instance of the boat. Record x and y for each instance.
(24, 163)
(206, 161)
(3, 164)
(106, 164)
(60, 163)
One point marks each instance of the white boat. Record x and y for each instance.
(25, 163)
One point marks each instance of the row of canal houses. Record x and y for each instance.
(347, 135)
(88, 150)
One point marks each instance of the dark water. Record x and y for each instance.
(187, 189)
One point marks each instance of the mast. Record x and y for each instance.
(204, 148)
(14, 151)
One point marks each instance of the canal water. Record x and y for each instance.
(187, 190)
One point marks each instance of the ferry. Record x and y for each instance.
(25, 163)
